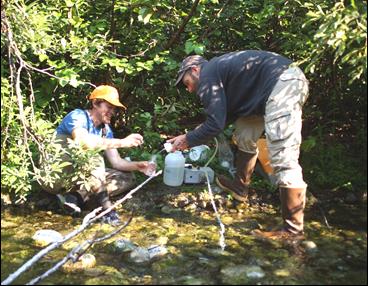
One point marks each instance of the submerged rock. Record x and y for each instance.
(190, 280)
(84, 262)
(142, 254)
(241, 274)
(124, 245)
(87, 260)
(310, 246)
(8, 224)
(255, 272)
(282, 272)
(44, 237)
(139, 255)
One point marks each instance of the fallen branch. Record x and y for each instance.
(74, 253)
(127, 196)
(91, 217)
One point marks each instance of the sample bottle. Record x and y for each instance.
(151, 169)
(174, 169)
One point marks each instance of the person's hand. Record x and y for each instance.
(179, 142)
(133, 140)
(142, 166)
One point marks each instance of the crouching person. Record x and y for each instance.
(90, 129)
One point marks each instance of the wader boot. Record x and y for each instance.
(292, 208)
(239, 186)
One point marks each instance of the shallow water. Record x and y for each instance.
(181, 219)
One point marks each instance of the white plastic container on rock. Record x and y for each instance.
(174, 169)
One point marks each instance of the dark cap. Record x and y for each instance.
(187, 63)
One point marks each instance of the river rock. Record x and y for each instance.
(309, 246)
(241, 274)
(255, 272)
(124, 245)
(168, 210)
(143, 255)
(84, 262)
(162, 240)
(282, 272)
(88, 260)
(190, 280)
(44, 237)
(140, 255)
(8, 224)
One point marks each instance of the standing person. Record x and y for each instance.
(259, 91)
(91, 129)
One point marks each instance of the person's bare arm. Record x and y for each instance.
(124, 165)
(91, 141)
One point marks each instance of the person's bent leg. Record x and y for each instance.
(283, 123)
(96, 185)
(247, 132)
(118, 182)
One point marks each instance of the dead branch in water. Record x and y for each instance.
(77, 252)
(88, 220)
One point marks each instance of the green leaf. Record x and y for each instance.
(199, 49)
(69, 3)
(74, 82)
(188, 47)
(147, 18)
(119, 69)
(42, 57)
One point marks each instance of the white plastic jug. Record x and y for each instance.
(199, 153)
(174, 169)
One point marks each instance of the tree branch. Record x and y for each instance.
(77, 251)
(175, 38)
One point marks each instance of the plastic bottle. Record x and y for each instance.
(168, 147)
(174, 169)
(151, 169)
(199, 153)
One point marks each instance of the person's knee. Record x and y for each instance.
(290, 178)
(246, 143)
(120, 183)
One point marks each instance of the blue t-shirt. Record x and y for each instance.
(79, 118)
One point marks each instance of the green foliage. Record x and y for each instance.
(342, 33)
(70, 165)
(334, 166)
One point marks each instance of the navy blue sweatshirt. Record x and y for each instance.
(235, 85)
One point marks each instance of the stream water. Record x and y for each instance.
(182, 220)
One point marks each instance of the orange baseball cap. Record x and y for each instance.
(108, 93)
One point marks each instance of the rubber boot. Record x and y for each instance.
(292, 210)
(239, 186)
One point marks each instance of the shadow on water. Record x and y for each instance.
(182, 220)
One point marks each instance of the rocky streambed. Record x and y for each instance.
(173, 238)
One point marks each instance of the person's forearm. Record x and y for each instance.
(124, 165)
(202, 134)
(95, 142)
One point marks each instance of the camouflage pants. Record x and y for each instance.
(115, 182)
(282, 124)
